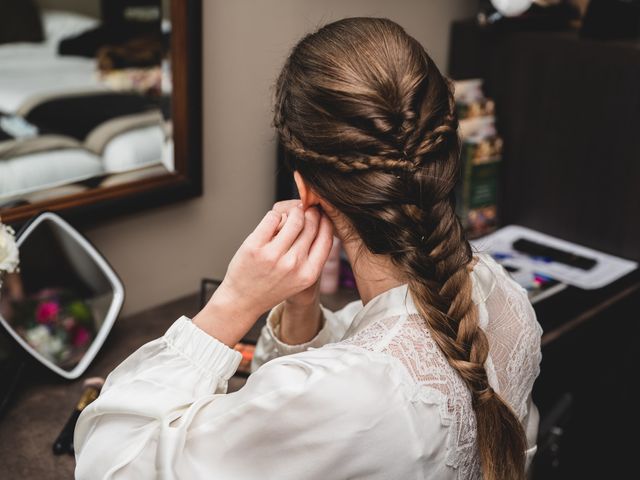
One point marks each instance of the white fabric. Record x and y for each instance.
(130, 150)
(137, 148)
(371, 396)
(29, 69)
(22, 64)
(36, 171)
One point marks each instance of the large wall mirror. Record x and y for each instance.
(99, 105)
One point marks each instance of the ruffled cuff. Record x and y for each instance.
(273, 328)
(206, 353)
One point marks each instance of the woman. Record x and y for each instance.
(429, 376)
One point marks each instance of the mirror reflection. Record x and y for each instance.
(60, 299)
(85, 93)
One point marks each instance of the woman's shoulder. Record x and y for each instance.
(338, 379)
(358, 373)
(422, 378)
(489, 275)
(391, 371)
(357, 399)
(338, 360)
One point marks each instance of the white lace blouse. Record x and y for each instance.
(371, 396)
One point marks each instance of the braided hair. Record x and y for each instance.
(369, 122)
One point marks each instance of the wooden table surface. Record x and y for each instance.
(44, 401)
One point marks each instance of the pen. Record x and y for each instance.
(501, 256)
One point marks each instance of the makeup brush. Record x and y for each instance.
(64, 442)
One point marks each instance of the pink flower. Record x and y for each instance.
(47, 311)
(80, 337)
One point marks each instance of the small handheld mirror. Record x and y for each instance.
(62, 303)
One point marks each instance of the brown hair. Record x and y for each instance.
(369, 122)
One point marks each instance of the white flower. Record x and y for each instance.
(46, 344)
(9, 258)
(37, 336)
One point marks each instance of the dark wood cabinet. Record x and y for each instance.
(568, 109)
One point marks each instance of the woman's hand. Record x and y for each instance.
(301, 317)
(275, 262)
(310, 295)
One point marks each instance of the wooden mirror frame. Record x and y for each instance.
(186, 116)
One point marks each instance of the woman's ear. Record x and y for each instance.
(307, 195)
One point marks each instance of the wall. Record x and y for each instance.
(162, 254)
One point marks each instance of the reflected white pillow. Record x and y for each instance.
(136, 148)
(59, 24)
(36, 171)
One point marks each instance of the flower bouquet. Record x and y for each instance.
(57, 323)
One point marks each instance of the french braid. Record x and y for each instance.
(368, 120)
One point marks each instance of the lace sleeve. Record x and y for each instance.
(334, 325)
(514, 338)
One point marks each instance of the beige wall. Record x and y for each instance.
(162, 254)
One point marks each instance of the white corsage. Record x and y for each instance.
(9, 258)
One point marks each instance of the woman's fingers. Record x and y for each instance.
(282, 222)
(321, 246)
(266, 229)
(292, 227)
(305, 239)
(297, 240)
(285, 205)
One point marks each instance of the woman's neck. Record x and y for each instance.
(374, 274)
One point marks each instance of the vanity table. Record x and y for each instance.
(585, 351)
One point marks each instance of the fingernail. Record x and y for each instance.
(299, 205)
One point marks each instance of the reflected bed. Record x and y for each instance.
(34, 76)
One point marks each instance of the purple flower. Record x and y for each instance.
(80, 336)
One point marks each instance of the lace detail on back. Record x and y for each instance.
(513, 364)
(408, 340)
